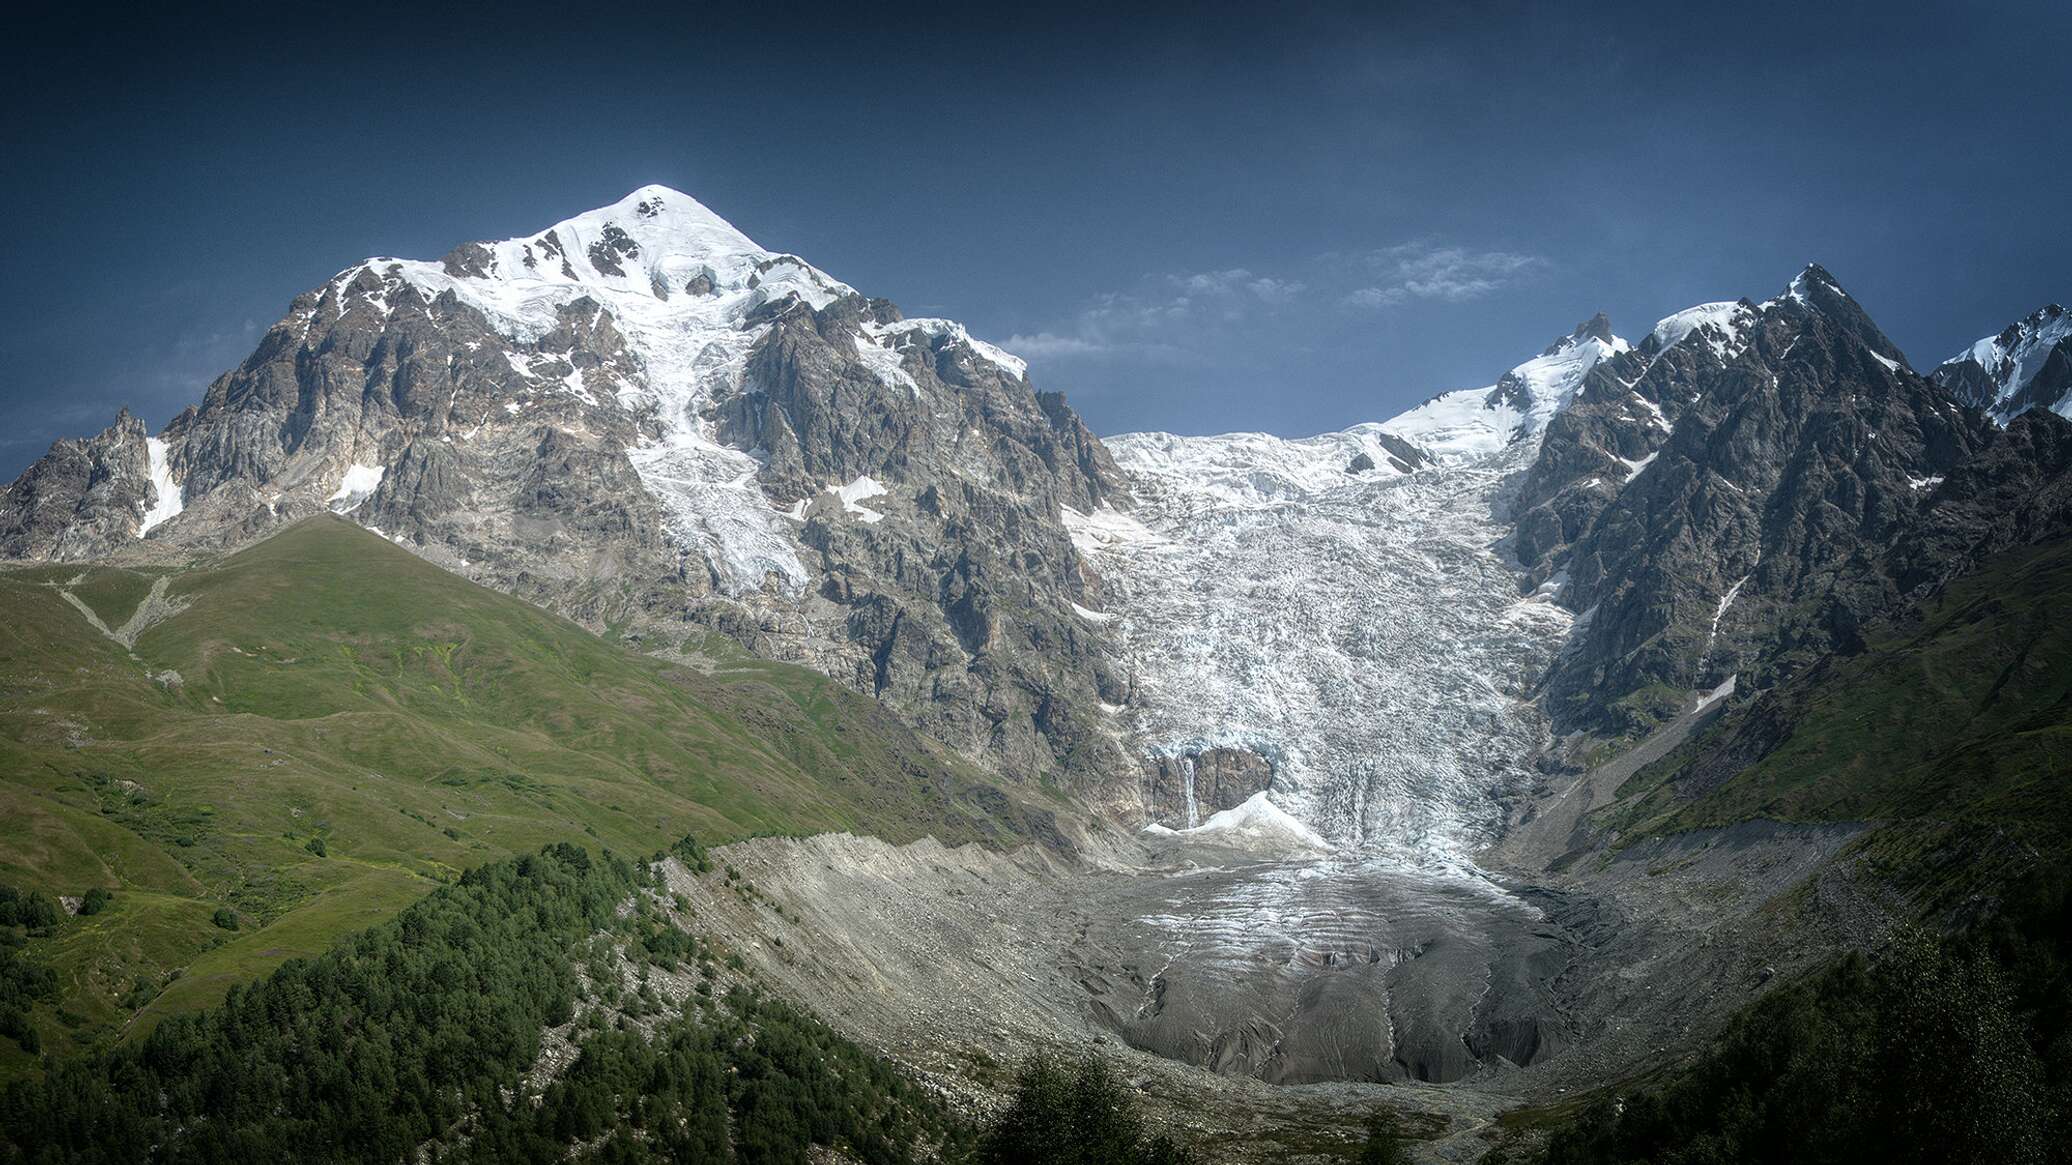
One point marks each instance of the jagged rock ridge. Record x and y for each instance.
(1699, 498)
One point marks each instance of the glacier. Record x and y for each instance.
(1364, 629)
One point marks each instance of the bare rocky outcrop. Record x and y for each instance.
(1185, 788)
(1710, 486)
(81, 498)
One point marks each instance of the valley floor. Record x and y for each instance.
(1268, 1005)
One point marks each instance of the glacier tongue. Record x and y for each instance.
(1363, 630)
(1365, 634)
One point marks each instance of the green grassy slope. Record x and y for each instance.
(1957, 719)
(349, 726)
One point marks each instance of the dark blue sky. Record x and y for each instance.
(1287, 219)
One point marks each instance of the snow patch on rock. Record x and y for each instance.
(166, 499)
(856, 492)
(885, 364)
(1723, 326)
(359, 483)
(1477, 422)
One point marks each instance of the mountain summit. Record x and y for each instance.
(642, 418)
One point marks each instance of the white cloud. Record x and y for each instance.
(1168, 316)
(1047, 344)
(1374, 297)
(1237, 283)
(1448, 274)
(1162, 316)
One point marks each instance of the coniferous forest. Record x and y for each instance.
(415, 1035)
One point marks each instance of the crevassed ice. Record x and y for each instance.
(1369, 637)
(1365, 632)
(1239, 468)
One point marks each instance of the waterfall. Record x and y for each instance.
(1187, 778)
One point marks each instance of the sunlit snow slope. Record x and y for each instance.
(1360, 627)
(687, 289)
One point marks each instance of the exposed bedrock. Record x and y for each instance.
(1183, 789)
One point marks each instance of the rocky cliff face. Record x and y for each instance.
(1707, 491)
(1183, 790)
(2016, 493)
(645, 420)
(83, 496)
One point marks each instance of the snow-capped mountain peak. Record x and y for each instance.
(2026, 365)
(654, 241)
(1475, 422)
(693, 296)
(1811, 278)
(655, 246)
(1722, 325)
